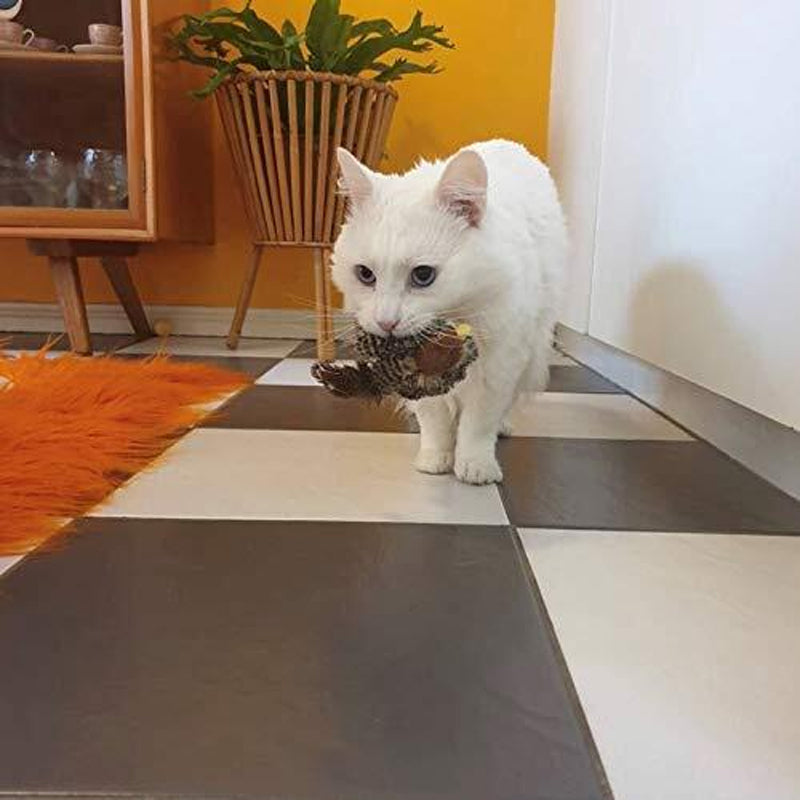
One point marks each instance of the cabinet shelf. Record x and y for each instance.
(29, 58)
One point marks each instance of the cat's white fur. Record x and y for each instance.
(489, 220)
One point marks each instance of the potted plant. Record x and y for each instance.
(288, 98)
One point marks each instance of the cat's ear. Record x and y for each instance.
(462, 187)
(355, 181)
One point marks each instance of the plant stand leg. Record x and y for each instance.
(326, 345)
(67, 280)
(245, 295)
(119, 275)
(326, 271)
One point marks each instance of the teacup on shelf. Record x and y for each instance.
(47, 45)
(12, 33)
(104, 40)
(107, 35)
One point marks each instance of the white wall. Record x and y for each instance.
(577, 105)
(695, 261)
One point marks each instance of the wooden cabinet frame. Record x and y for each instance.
(158, 110)
(168, 140)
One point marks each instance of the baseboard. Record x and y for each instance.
(266, 323)
(766, 447)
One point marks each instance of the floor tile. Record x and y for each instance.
(684, 652)
(248, 474)
(101, 342)
(550, 414)
(590, 416)
(311, 409)
(214, 346)
(579, 379)
(48, 355)
(255, 367)
(290, 372)
(297, 372)
(6, 562)
(305, 661)
(619, 485)
(308, 349)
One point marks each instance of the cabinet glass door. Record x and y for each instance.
(69, 152)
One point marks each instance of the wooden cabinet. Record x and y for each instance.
(101, 147)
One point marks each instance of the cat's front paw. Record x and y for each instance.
(434, 462)
(478, 469)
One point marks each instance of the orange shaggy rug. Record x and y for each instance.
(73, 429)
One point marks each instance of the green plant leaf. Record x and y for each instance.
(323, 16)
(401, 66)
(417, 38)
(219, 13)
(336, 39)
(260, 28)
(383, 27)
(291, 42)
(228, 41)
(225, 72)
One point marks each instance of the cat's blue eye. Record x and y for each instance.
(423, 276)
(365, 275)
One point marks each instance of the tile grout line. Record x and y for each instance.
(570, 529)
(688, 431)
(538, 602)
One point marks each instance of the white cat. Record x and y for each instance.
(478, 238)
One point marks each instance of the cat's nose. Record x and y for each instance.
(388, 325)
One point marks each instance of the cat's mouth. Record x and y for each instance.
(400, 331)
(405, 329)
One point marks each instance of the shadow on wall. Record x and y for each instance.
(678, 321)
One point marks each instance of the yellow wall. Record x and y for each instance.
(495, 84)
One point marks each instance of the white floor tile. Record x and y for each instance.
(290, 372)
(49, 354)
(254, 474)
(214, 346)
(685, 651)
(18, 353)
(6, 562)
(297, 371)
(590, 416)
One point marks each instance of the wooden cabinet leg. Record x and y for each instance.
(245, 295)
(326, 344)
(67, 280)
(119, 275)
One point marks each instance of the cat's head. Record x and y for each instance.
(406, 252)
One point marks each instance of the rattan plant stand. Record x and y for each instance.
(283, 130)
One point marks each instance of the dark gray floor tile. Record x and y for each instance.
(307, 408)
(273, 660)
(254, 366)
(313, 408)
(580, 380)
(101, 342)
(637, 485)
